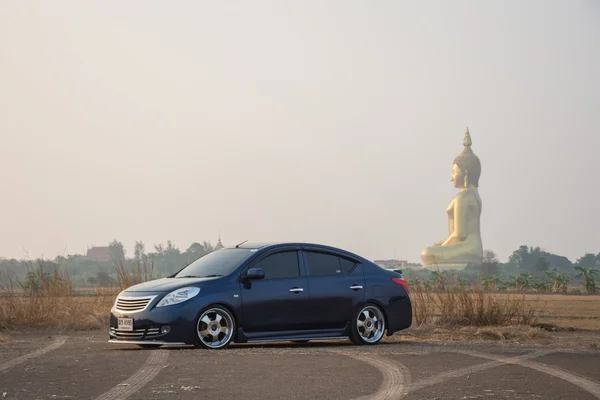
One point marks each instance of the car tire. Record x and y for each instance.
(215, 328)
(368, 325)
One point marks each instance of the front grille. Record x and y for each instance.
(132, 303)
(136, 334)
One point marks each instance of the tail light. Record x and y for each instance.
(401, 281)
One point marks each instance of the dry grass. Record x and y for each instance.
(46, 299)
(453, 312)
(455, 305)
(54, 312)
(142, 272)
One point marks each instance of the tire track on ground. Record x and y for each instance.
(396, 377)
(21, 359)
(135, 382)
(498, 361)
(586, 384)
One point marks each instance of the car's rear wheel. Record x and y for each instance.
(368, 325)
(214, 328)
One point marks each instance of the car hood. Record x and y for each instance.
(166, 284)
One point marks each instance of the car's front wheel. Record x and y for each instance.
(215, 328)
(368, 325)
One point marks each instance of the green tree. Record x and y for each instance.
(196, 249)
(542, 264)
(527, 260)
(208, 247)
(194, 252)
(524, 281)
(104, 279)
(32, 281)
(139, 250)
(489, 266)
(438, 280)
(491, 282)
(559, 281)
(167, 251)
(171, 250)
(117, 251)
(520, 257)
(589, 280)
(589, 260)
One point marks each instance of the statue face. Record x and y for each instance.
(458, 177)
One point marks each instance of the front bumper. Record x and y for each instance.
(174, 324)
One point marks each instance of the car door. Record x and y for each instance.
(277, 302)
(336, 287)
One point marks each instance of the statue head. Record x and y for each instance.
(467, 167)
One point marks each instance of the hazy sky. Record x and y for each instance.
(322, 121)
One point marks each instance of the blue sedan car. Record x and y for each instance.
(265, 292)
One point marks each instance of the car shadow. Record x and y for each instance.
(271, 345)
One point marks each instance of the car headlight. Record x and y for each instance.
(178, 296)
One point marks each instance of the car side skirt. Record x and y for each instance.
(148, 342)
(296, 338)
(325, 334)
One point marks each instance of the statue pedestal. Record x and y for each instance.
(446, 267)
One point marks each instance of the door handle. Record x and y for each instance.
(356, 287)
(297, 290)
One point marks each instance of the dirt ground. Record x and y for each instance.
(425, 364)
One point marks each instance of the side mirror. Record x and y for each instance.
(255, 273)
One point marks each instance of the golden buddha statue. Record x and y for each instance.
(463, 245)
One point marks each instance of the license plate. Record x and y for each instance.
(125, 324)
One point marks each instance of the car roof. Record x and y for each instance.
(264, 245)
(253, 245)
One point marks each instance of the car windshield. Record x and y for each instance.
(217, 263)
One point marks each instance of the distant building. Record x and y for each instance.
(391, 263)
(101, 254)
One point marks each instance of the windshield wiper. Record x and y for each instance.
(205, 276)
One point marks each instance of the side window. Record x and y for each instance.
(280, 265)
(327, 264)
(346, 265)
(322, 264)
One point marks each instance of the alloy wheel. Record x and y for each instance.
(215, 328)
(369, 325)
